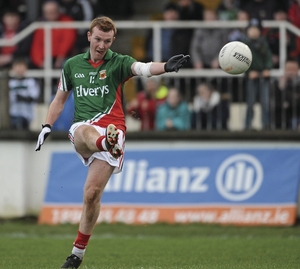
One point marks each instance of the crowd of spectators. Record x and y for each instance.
(208, 110)
(156, 101)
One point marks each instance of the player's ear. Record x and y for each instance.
(89, 36)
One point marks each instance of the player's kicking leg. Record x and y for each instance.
(109, 143)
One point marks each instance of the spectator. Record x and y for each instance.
(228, 10)
(23, 94)
(209, 112)
(206, 43)
(188, 10)
(238, 34)
(258, 75)
(170, 13)
(11, 25)
(294, 18)
(287, 97)
(174, 114)
(293, 13)
(79, 10)
(144, 106)
(17, 5)
(119, 9)
(263, 9)
(273, 38)
(62, 39)
(181, 39)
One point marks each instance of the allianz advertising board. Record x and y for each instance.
(242, 186)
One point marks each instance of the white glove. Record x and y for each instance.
(42, 136)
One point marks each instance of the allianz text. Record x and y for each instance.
(138, 177)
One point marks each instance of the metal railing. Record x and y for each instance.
(48, 73)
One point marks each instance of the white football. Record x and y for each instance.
(235, 58)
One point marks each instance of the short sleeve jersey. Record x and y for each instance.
(98, 89)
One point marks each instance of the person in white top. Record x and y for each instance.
(23, 95)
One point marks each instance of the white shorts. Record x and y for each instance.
(102, 155)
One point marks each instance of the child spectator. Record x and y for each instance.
(209, 112)
(258, 75)
(17, 5)
(11, 25)
(23, 94)
(174, 114)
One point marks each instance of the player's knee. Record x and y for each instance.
(84, 138)
(92, 195)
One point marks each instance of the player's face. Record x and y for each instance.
(100, 42)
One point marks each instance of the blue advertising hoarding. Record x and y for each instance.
(246, 186)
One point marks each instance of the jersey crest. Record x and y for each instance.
(102, 74)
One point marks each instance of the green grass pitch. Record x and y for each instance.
(26, 245)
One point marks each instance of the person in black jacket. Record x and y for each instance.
(258, 75)
(79, 10)
(286, 97)
(181, 39)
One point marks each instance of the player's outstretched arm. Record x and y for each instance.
(55, 109)
(157, 68)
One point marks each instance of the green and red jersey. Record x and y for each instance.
(98, 88)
